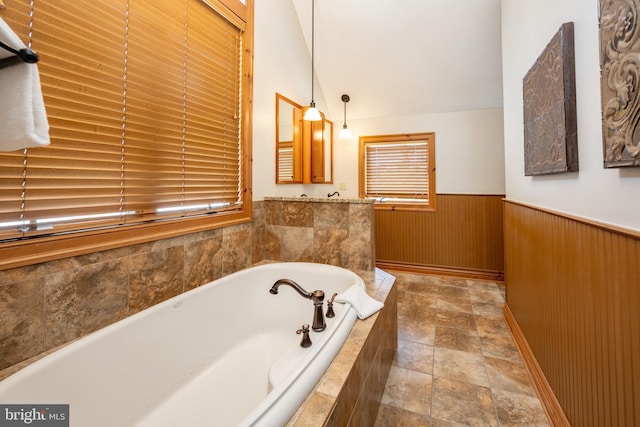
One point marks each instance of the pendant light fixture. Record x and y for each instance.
(345, 133)
(312, 114)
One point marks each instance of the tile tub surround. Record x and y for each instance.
(351, 390)
(44, 306)
(325, 230)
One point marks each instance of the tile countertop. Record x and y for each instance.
(317, 407)
(320, 199)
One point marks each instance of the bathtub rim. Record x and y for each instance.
(292, 383)
(299, 387)
(304, 388)
(322, 403)
(34, 362)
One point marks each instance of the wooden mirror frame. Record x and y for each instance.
(288, 141)
(304, 150)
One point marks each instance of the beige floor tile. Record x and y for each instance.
(499, 346)
(463, 403)
(409, 390)
(406, 291)
(518, 410)
(458, 339)
(460, 366)
(441, 423)
(491, 325)
(484, 291)
(509, 376)
(390, 416)
(488, 308)
(457, 363)
(454, 292)
(411, 330)
(446, 302)
(445, 281)
(418, 312)
(414, 356)
(456, 319)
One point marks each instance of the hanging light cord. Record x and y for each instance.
(345, 113)
(313, 3)
(345, 98)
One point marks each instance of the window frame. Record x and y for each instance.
(396, 203)
(19, 252)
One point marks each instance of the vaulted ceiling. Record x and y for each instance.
(405, 57)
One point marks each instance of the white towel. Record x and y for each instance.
(23, 119)
(364, 305)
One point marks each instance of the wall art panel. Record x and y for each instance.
(620, 71)
(550, 125)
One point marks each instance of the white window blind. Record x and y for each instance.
(398, 168)
(285, 162)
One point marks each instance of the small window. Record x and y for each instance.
(398, 171)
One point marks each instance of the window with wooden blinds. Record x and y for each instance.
(146, 102)
(398, 171)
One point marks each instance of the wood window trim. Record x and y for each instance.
(20, 253)
(50, 248)
(400, 138)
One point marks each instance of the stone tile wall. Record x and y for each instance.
(328, 231)
(46, 305)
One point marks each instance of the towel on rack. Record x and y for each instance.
(23, 119)
(364, 305)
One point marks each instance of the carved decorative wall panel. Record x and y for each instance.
(620, 71)
(550, 126)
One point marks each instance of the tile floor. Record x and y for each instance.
(456, 363)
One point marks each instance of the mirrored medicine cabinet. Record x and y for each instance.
(304, 150)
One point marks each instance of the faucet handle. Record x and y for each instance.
(330, 312)
(330, 301)
(317, 297)
(306, 341)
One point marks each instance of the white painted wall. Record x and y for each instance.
(281, 64)
(469, 149)
(469, 145)
(605, 195)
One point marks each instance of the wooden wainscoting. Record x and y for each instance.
(462, 237)
(573, 288)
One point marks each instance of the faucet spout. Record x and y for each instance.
(294, 285)
(316, 296)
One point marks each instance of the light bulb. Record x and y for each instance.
(312, 115)
(345, 133)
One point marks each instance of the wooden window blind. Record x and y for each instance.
(144, 101)
(398, 170)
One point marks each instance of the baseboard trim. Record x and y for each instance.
(467, 273)
(549, 402)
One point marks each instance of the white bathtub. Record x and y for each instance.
(224, 354)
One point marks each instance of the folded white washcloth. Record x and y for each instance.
(364, 305)
(23, 119)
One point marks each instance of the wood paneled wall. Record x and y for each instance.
(573, 287)
(463, 236)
